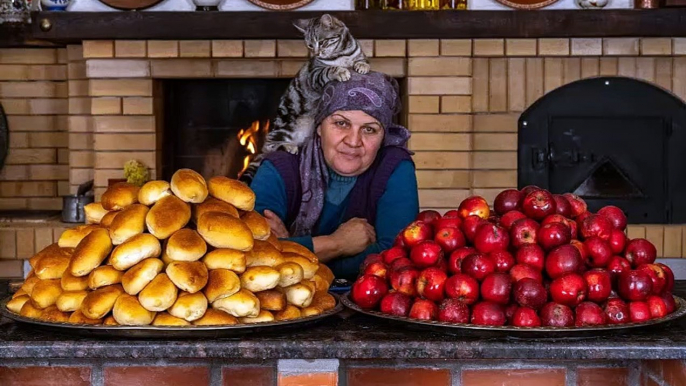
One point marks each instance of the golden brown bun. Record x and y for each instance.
(225, 259)
(128, 223)
(222, 283)
(109, 321)
(274, 241)
(128, 311)
(70, 282)
(52, 314)
(53, 266)
(29, 310)
(241, 304)
(70, 301)
(212, 204)
(309, 268)
(262, 317)
(309, 284)
(189, 186)
(167, 216)
(119, 196)
(291, 273)
(215, 318)
(221, 230)
(100, 302)
(71, 237)
(310, 311)
(323, 300)
(17, 303)
(189, 307)
(189, 276)
(300, 294)
(319, 283)
(263, 253)
(135, 250)
(164, 319)
(103, 276)
(29, 283)
(185, 245)
(272, 300)
(140, 275)
(293, 247)
(107, 219)
(90, 252)
(46, 292)
(159, 295)
(258, 225)
(257, 279)
(77, 317)
(153, 191)
(325, 273)
(232, 191)
(20, 292)
(50, 250)
(94, 212)
(165, 259)
(290, 312)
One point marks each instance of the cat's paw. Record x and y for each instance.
(291, 148)
(341, 74)
(361, 67)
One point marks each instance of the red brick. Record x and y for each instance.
(311, 379)
(45, 376)
(592, 376)
(398, 377)
(253, 376)
(528, 377)
(158, 376)
(674, 373)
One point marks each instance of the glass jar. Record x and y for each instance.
(14, 11)
(367, 4)
(454, 4)
(394, 5)
(424, 5)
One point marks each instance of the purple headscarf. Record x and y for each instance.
(374, 93)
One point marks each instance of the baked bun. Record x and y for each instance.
(94, 212)
(189, 186)
(291, 273)
(135, 250)
(258, 225)
(288, 313)
(153, 191)
(107, 219)
(46, 292)
(140, 275)
(70, 282)
(319, 283)
(274, 241)
(222, 283)
(50, 250)
(265, 254)
(119, 196)
(29, 283)
(165, 259)
(159, 295)
(99, 303)
(323, 300)
(90, 253)
(215, 318)
(309, 268)
(232, 191)
(185, 245)
(20, 292)
(167, 216)
(128, 223)
(110, 321)
(310, 311)
(225, 259)
(241, 304)
(293, 247)
(53, 266)
(272, 300)
(128, 311)
(164, 319)
(262, 317)
(70, 301)
(17, 303)
(71, 237)
(257, 279)
(189, 276)
(77, 317)
(325, 273)
(300, 294)
(212, 204)
(54, 315)
(189, 307)
(103, 276)
(221, 230)
(30, 311)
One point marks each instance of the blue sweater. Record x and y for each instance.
(397, 207)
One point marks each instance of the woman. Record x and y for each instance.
(352, 187)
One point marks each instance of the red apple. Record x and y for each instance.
(416, 232)
(453, 311)
(405, 281)
(531, 254)
(616, 311)
(368, 290)
(393, 253)
(449, 220)
(530, 293)
(617, 241)
(471, 225)
(657, 276)
(400, 263)
(528, 189)
(510, 217)
(506, 201)
(431, 284)
(668, 298)
(525, 317)
(429, 217)
(583, 252)
(570, 289)
(634, 285)
(477, 266)
(580, 218)
(371, 258)
(552, 235)
(503, 260)
(488, 314)
(523, 231)
(617, 265)
(599, 252)
(615, 215)
(442, 264)
(399, 241)
(423, 309)
(463, 288)
(596, 225)
(562, 260)
(599, 283)
(669, 277)
(377, 269)
(556, 315)
(396, 303)
(640, 251)
(426, 253)
(474, 206)
(449, 239)
(538, 204)
(561, 219)
(523, 271)
(496, 288)
(658, 307)
(509, 311)
(577, 203)
(639, 311)
(491, 238)
(562, 205)
(589, 314)
(455, 259)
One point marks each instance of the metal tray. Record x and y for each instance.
(168, 332)
(446, 327)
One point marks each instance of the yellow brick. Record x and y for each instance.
(81, 141)
(520, 47)
(78, 175)
(499, 141)
(590, 67)
(80, 124)
(620, 46)
(489, 47)
(105, 106)
(679, 46)
(15, 106)
(14, 173)
(367, 46)
(636, 231)
(439, 86)
(389, 48)
(227, 48)
(395, 67)
(497, 85)
(260, 48)
(663, 72)
(181, 68)
(626, 67)
(423, 104)
(683, 241)
(63, 156)
(534, 79)
(679, 77)
(442, 160)
(553, 47)
(124, 124)
(423, 47)
(79, 106)
(494, 159)
(120, 87)
(656, 46)
(47, 140)
(76, 71)
(98, 49)
(443, 179)
(14, 72)
(103, 176)
(25, 243)
(571, 68)
(494, 178)
(28, 90)
(442, 198)
(439, 66)
(137, 106)
(289, 67)
(8, 243)
(46, 72)
(118, 68)
(19, 140)
(456, 47)
(116, 160)
(442, 141)
(82, 159)
(480, 89)
(77, 88)
(28, 56)
(442, 122)
(456, 104)
(244, 68)
(608, 66)
(552, 68)
(655, 234)
(672, 243)
(62, 56)
(109, 142)
(506, 123)
(194, 49)
(31, 156)
(291, 49)
(54, 203)
(48, 106)
(43, 237)
(645, 69)
(28, 189)
(49, 172)
(516, 84)
(163, 48)
(14, 203)
(130, 49)
(74, 52)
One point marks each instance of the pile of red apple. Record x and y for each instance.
(536, 259)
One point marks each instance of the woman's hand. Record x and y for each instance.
(354, 236)
(278, 228)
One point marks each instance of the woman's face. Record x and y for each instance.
(350, 141)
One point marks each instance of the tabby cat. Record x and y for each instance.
(334, 52)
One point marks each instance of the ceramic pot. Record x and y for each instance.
(54, 5)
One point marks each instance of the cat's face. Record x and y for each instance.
(323, 35)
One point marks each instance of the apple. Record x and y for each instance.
(599, 252)
(561, 219)
(400, 263)
(471, 225)
(616, 311)
(525, 317)
(617, 241)
(368, 290)
(377, 269)
(488, 314)
(617, 265)
(428, 216)
(455, 259)
(634, 285)
(426, 253)
(396, 303)
(449, 239)
(615, 215)
(503, 260)
(528, 189)
(657, 276)
(589, 314)
(583, 252)
(599, 283)
(577, 203)
(530, 293)
(453, 311)
(442, 264)
(668, 298)
(552, 235)
(398, 241)
(371, 258)
(393, 253)
(556, 315)
(474, 206)
(423, 309)
(509, 311)
(463, 288)
(491, 238)
(506, 201)
(658, 307)
(669, 277)
(639, 311)
(431, 284)
(510, 217)
(450, 219)
(524, 231)
(416, 232)
(596, 225)
(532, 255)
(538, 204)
(477, 266)
(562, 260)
(496, 288)
(523, 271)
(405, 281)
(562, 205)
(640, 251)
(570, 289)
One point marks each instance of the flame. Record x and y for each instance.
(248, 139)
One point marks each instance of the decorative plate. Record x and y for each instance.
(527, 4)
(130, 5)
(280, 5)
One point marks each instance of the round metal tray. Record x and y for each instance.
(168, 332)
(538, 331)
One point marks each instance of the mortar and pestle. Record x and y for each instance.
(72, 205)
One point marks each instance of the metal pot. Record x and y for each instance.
(72, 205)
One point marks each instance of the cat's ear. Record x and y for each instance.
(302, 25)
(327, 21)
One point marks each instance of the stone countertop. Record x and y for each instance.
(350, 335)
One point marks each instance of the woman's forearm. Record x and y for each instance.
(326, 248)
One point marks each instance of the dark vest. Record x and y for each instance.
(364, 196)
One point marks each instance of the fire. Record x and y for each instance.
(248, 139)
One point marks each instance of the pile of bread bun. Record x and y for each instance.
(181, 253)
